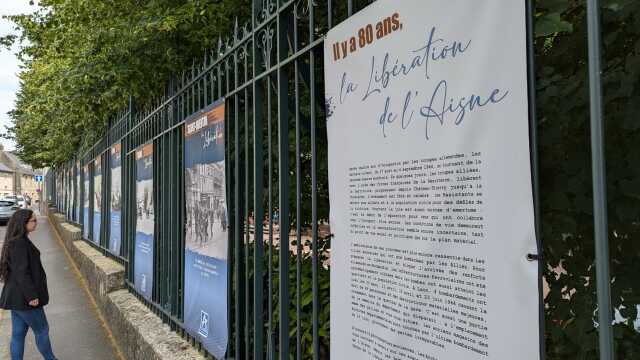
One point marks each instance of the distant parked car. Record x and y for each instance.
(7, 208)
(21, 201)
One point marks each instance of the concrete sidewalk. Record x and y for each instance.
(76, 330)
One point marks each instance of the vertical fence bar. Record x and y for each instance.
(535, 173)
(258, 326)
(181, 235)
(91, 198)
(314, 185)
(271, 345)
(157, 226)
(165, 177)
(106, 197)
(283, 191)
(258, 322)
(238, 215)
(76, 191)
(224, 69)
(601, 231)
(173, 297)
(131, 202)
(296, 89)
(247, 206)
(174, 220)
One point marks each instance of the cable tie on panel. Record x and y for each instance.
(534, 257)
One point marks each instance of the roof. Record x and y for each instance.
(20, 165)
(5, 168)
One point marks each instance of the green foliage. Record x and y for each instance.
(566, 187)
(82, 60)
(306, 303)
(304, 291)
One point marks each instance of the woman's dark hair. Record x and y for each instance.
(16, 231)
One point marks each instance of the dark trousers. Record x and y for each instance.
(35, 319)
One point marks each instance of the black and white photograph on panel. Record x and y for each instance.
(206, 209)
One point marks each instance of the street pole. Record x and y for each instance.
(40, 197)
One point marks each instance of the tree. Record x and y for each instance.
(82, 60)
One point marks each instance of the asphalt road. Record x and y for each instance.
(75, 329)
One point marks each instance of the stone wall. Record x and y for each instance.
(142, 335)
(139, 333)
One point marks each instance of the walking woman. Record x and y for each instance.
(25, 285)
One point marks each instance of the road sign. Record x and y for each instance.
(38, 178)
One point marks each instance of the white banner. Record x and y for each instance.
(430, 183)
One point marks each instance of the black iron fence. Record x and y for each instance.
(270, 74)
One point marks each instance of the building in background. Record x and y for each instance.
(16, 177)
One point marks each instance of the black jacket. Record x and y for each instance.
(27, 280)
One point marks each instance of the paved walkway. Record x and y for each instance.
(76, 331)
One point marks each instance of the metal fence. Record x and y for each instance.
(270, 74)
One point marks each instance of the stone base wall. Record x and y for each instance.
(142, 335)
(103, 275)
(139, 333)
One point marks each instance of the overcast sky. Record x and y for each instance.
(9, 65)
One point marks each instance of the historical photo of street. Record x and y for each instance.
(116, 192)
(144, 206)
(206, 208)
